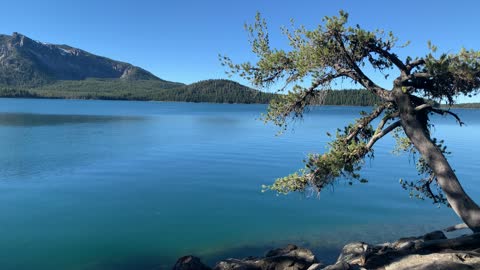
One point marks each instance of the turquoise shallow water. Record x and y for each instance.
(134, 185)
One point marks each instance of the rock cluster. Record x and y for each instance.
(431, 251)
(290, 257)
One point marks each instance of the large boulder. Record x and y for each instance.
(355, 253)
(437, 261)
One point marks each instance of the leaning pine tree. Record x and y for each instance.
(336, 51)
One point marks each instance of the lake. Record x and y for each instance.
(88, 185)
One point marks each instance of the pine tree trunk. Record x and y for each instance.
(418, 134)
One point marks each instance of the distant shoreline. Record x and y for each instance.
(468, 106)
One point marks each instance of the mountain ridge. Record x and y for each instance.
(26, 62)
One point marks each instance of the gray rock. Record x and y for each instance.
(280, 251)
(354, 253)
(402, 241)
(404, 246)
(338, 266)
(235, 264)
(436, 261)
(432, 251)
(190, 263)
(289, 258)
(436, 235)
(316, 266)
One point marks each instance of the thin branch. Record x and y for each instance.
(274, 76)
(422, 107)
(420, 80)
(429, 190)
(391, 57)
(384, 132)
(363, 122)
(443, 112)
(313, 88)
(414, 64)
(385, 119)
(439, 111)
(359, 76)
(424, 75)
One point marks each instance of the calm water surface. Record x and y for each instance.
(94, 185)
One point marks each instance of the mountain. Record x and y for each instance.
(30, 68)
(26, 62)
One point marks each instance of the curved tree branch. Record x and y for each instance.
(365, 121)
(313, 89)
(439, 111)
(428, 189)
(359, 76)
(410, 66)
(444, 112)
(384, 132)
(391, 57)
(384, 121)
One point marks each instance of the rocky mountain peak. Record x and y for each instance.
(24, 61)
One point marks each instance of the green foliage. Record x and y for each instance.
(314, 52)
(292, 105)
(16, 93)
(219, 91)
(344, 159)
(452, 74)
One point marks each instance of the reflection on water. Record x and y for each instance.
(29, 119)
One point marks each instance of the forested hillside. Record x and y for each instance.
(217, 91)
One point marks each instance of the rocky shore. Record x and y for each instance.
(432, 251)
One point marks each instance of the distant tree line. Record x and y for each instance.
(351, 97)
(214, 91)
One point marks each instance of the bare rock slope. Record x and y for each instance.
(24, 61)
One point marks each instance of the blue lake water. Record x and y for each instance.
(88, 185)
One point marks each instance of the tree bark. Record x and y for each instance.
(419, 135)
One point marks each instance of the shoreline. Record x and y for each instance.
(476, 106)
(433, 250)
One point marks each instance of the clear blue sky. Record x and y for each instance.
(180, 40)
